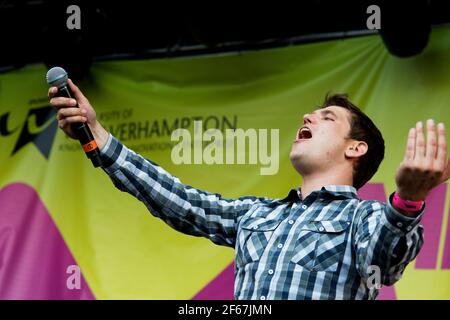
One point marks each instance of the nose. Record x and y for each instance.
(307, 118)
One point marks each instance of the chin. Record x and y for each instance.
(301, 163)
(297, 166)
(295, 159)
(296, 155)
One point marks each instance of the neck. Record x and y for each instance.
(315, 181)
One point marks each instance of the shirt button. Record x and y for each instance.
(394, 255)
(270, 271)
(408, 228)
(263, 298)
(399, 224)
(255, 227)
(280, 246)
(304, 206)
(321, 228)
(291, 221)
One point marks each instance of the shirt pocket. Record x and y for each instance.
(321, 245)
(254, 236)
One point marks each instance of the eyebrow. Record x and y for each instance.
(325, 112)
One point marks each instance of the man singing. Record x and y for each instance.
(321, 241)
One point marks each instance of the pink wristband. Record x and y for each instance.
(406, 205)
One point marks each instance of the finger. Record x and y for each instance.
(76, 91)
(420, 142)
(431, 147)
(441, 157)
(62, 123)
(62, 102)
(52, 91)
(73, 119)
(410, 145)
(70, 112)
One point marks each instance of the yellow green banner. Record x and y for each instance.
(58, 213)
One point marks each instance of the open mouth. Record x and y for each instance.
(304, 133)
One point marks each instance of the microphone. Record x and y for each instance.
(57, 77)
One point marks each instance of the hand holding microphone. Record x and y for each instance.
(76, 117)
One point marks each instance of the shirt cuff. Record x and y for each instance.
(112, 154)
(401, 221)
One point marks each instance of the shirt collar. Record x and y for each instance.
(333, 191)
(341, 191)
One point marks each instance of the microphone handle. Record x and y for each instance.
(83, 133)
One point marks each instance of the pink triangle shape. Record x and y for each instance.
(33, 255)
(220, 288)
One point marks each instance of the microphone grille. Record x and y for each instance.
(57, 77)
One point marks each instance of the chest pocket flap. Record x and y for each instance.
(326, 226)
(260, 225)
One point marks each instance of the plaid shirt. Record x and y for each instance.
(320, 247)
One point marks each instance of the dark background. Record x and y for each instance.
(35, 31)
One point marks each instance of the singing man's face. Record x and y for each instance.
(321, 141)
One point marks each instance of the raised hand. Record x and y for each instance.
(425, 163)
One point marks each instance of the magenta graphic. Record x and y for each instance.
(446, 257)
(221, 288)
(33, 255)
(432, 223)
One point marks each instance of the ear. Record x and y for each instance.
(356, 149)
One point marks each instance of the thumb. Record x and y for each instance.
(76, 92)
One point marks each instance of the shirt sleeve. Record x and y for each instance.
(184, 208)
(385, 240)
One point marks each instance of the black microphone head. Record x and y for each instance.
(57, 77)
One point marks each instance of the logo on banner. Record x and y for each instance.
(38, 128)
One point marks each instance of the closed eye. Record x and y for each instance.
(327, 118)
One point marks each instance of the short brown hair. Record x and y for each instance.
(361, 129)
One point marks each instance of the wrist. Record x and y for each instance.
(405, 205)
(100, 134)
(410, 196)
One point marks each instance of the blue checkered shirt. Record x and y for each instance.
(330, 245)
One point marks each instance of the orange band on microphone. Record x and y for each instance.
(91, 145)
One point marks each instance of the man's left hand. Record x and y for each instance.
(425, 164)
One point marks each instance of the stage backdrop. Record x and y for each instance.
(58, 213)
